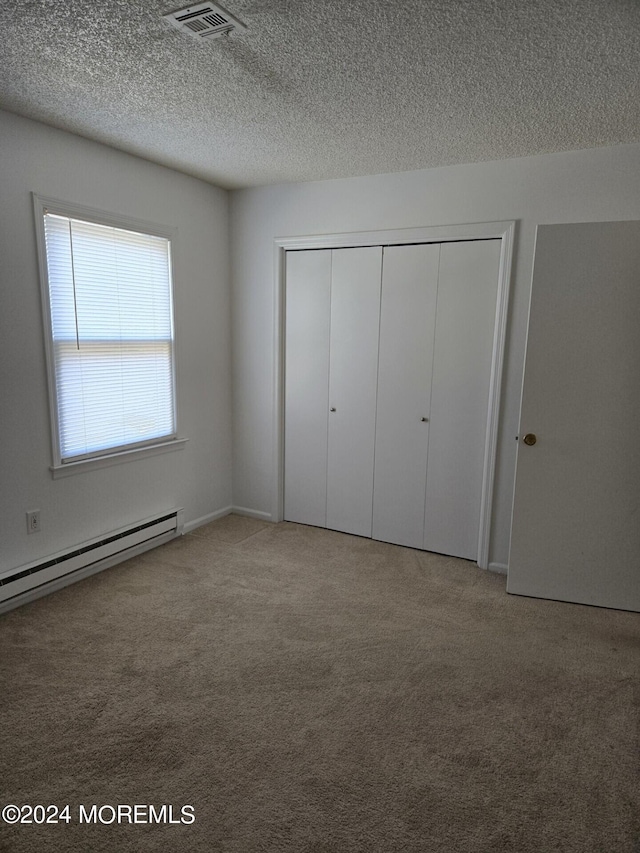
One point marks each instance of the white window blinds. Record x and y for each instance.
(112, 336)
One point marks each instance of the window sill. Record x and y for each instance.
(70, 468)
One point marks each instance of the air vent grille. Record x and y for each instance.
(214, 20)
(196, 26)
(203, 20)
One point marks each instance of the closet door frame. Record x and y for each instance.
(504, 231)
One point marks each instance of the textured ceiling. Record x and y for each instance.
(317, 89)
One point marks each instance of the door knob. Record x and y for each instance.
(424, 420)
(530, 439)
(332, 409)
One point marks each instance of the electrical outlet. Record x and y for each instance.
(33, 521)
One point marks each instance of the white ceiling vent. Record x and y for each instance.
(204, 20)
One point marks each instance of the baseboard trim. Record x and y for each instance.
(499, 568)
(227, 510)
(252, 513)
(207, 519)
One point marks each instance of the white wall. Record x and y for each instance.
(599, 184)
(53, 163)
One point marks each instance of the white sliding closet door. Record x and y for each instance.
(355, 318)
(407, 324)
(465, 322)
(307, 312)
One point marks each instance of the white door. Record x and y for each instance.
(355, 319)
(576, 520)
(463, 352)
(407, 324)
(307, 312)
(387, 390)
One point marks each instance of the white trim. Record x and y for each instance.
(279, 279)
(495, 392)
(100, 217)
(83, 465)
(207, 519)
(498, 568)
(39, 206)
(397, 236)
(221, 513)
(521, 389)
(252, 513)
(504, 231)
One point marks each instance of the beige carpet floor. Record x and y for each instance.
(307, 691)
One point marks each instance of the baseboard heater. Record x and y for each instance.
(17, 586)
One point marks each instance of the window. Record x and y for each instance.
(108, 308)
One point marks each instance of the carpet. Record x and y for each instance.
(306, 691)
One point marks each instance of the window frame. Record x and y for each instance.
(108, 456)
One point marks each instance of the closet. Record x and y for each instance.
(388, 353)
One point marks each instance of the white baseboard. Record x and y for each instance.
(252, 513)
(207, 519)
(498, 568)
(220, 513)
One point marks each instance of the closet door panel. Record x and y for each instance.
(355, 317)
(407, 323)
(307, 310)
(465, 321)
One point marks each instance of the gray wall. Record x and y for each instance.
(600, 184)
(53, 163)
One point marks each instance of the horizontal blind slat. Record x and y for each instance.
(114, 378)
